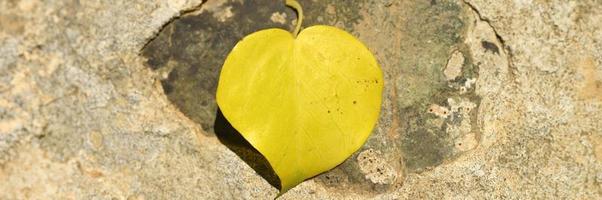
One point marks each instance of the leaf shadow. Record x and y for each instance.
(232, 139)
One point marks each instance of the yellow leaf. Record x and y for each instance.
(306, 103)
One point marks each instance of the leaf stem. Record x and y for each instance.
(297, 7)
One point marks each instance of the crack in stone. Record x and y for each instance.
(172, 19)
(505, 47)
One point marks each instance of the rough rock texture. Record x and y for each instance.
(483, 99)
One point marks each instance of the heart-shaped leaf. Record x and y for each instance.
(306, 103)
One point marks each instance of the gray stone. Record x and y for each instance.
(114, 99)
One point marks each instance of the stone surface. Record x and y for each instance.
(114, 99)
(453, 69)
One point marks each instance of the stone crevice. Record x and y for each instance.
(506, 48)
(184, 12)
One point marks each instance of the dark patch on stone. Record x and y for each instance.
(428, 36)
(424, 144)
(167, 88)
(436, 28)
(489, 46)
(192, 49)
(340, 13)
(440, 22)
